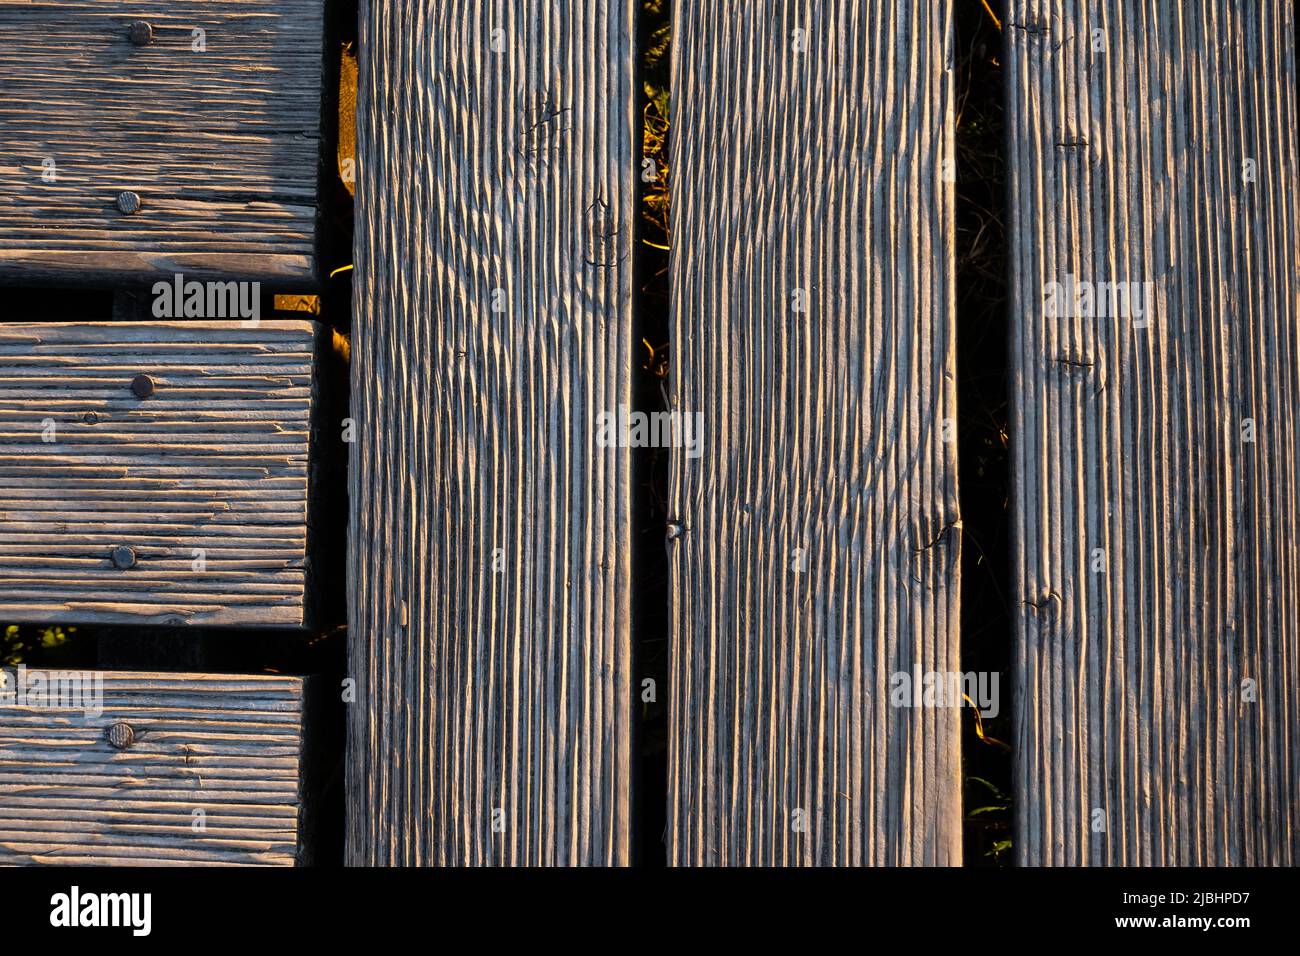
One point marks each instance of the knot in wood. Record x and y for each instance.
(128, 203)
(120, 735)
(123, 557)
(142, 386)
(140, 32)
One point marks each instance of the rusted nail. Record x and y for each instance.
(90, 418)
(140, 32)
(142, 386)
(123, 557)
(128, 203)
(120, 735)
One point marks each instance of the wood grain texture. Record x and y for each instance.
(813, 179)
(216, 459)
(489, 566)
(222, 146)
(228, 746)
(1157, 566)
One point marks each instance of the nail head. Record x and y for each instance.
(128, 202)
(142, 386)
(123, 557)
(121, 735)
(141, 33)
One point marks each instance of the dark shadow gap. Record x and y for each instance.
(983, 436)
(650, 344)
(323, 653)
(334, 226)
(28, 304)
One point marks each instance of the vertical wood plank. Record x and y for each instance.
(489, 533)
(815, 549)
(1155, 468)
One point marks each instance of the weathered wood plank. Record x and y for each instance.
(187, 505)
(815, 552)
(217, 132)
(1156, 442)
(123, 768)
(489, 633)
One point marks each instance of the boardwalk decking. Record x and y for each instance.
(157, 136)
(816, 537)
(156, 472)
(1155, 469)
(489, 534)
(116, 768)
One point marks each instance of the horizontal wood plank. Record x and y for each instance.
(205, 480)
(214, 124)
(209, 771)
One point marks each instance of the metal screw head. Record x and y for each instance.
(120, 735)
(140, 32)
(123, 557)
(142, 386)
(128, 203)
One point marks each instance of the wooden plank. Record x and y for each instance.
(203, 482)
(125, 768)
(489, 568)
(214, 123)
(815, 551)
(1155, 466)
